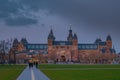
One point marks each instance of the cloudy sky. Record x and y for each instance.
(32, 19)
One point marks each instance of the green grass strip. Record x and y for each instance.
(10, 72)
(81, 72)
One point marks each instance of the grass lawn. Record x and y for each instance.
(81, 72)
(10, 72)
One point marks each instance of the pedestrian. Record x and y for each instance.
(36, 64)
(30, 63)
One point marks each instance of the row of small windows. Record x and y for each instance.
(62, 43)
(87, 46)
(38, 46)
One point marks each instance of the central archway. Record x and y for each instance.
(62, 58)
(63, 55)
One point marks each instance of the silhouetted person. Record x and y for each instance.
(30, 63)
(36, 64)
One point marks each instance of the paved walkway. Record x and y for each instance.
(32, 74)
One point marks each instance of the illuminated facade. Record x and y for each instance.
(70, 50)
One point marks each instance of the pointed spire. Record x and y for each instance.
(15, 42)
(51, 35)
(108, 38)
(24, 41)
(75, 36)
(70, 27)
(70, 35)
(51, 31)
(98, 40)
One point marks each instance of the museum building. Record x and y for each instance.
(69, 50)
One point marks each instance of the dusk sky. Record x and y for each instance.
(32, 19)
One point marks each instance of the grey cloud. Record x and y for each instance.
(12, 7)
(20, 21)
(94, 16)
(90, 12)
(6, 8)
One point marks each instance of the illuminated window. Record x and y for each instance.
(95, 46)
(91, 46)
(37, 46)
(79, 46)
(83, 46)
(45, 46)
(29, 46)
(32, 46)
(41, 46)
(87, 46)
(62, 43)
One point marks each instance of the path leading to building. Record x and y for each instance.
(32, 74)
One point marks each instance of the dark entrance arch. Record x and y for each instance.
(62, 59)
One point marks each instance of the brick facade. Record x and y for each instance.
(70, 50)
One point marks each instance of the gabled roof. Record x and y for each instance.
(108, 38)
(36, 46)
(70, 35)
(112, 50)
(102, 43)
(51, 35)
(103, 50)
(24, 41)
(15, 42)
(75, 36)
(87, 46)
(98, 40)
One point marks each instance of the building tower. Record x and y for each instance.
(109, 41)
(51, 38)
(75, 39)
(13, 50)
(15, 44)
(70, 35)
(75, 47)
(24, 41)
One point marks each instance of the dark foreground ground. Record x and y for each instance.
(66, 71)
